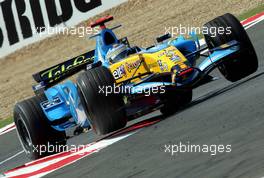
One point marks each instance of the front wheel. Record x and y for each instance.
(105, 113)
(35, 134)
(244, 63)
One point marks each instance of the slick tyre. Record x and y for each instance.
(34, 132)
(242, 64)
(105, 113)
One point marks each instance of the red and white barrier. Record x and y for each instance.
(7, 129)
(44, 166)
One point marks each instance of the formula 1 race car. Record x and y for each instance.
(120, 82)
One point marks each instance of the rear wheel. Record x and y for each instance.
(105, 113)
(241, 65)
(34, 132)
(174, 101)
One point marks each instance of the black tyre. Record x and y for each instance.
(105, 113)
(241, 65)
(34, 132)
(174, 101)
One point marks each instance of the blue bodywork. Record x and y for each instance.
(63, 107)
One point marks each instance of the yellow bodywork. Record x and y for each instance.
(159, 62)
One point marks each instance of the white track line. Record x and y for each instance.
(7, 127)
(255, 22)
(2, 162)
(91, 149)
(202, 43)
(246, 26)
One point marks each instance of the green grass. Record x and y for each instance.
(243, 16)
(251, 12)
(5, 122)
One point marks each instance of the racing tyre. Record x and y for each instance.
(105, 113)
(174, 101)
(37, 137)
(242, 64)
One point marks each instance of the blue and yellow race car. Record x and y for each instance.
(119, 82)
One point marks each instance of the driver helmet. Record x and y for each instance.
(117, 53)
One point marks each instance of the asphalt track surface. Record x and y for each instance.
(221, 113)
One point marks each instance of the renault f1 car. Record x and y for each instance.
(161, 76)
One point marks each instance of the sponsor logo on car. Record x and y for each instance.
(55, 72)
(173, 56)
(133, 65)
(163, 66)
(119, 72)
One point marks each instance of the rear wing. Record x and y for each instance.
(59, 72)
